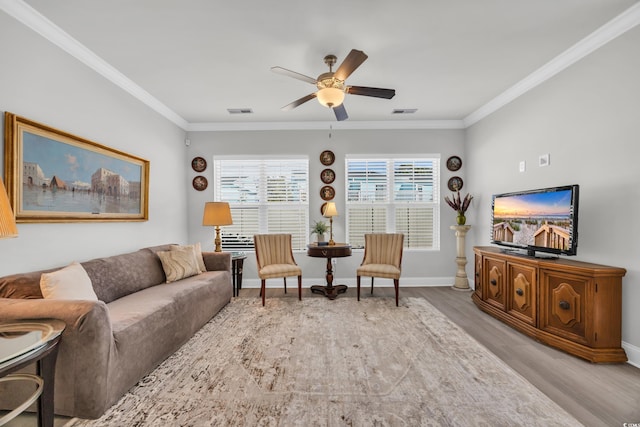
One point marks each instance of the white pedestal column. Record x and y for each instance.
(461, 283)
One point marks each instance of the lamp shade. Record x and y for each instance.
(217, 213)
(7, 220)
(330, 210)
(330, 96)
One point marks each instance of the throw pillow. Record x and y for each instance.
(179, 263)
(70, 282)
(197, 251)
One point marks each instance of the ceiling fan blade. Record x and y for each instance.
(340, 112)
(350, 63)
(371, 91)
(298, 102)
(293, 74)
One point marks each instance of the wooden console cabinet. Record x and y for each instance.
(571, 305)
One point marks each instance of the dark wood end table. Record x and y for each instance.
(23, 342)
(237, 263)
(339, 250)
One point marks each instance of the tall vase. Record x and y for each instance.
(461, 219)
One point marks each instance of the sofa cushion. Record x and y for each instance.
(179, 263)
(116, 276)
(197, 250)
(70, 282)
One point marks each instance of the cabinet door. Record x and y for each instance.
(494, 280)
(564, 304)
(521, 292)
(478, 275)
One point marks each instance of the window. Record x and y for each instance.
(266, 195)
(394, 195)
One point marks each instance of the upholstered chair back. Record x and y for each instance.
(273, 249)
(383, 248)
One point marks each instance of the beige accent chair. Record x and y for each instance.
(382, 258)
(274, 255)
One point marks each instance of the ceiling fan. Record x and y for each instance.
(331, 86)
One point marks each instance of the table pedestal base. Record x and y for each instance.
(330, 292)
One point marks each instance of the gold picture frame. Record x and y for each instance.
(54, 176)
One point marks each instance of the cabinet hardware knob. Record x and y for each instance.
(493, 282)
(564, 305)
(519, 292)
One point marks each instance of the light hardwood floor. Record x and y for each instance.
(596, 395)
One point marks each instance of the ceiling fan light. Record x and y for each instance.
(330, 97)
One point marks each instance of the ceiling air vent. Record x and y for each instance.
(404, 110)
(240, 110)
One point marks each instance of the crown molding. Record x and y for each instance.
(30, 17)
(603, 35)
(350, 125)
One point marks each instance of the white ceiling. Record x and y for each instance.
(452, 60)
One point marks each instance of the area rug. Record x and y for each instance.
(332, 363)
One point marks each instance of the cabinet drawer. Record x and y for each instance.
(521, 292)
(563, 305)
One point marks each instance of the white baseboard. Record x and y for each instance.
(633, 354)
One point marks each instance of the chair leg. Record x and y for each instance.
(263, 290)
(396, 284)
(285, 285)
(372, 286)
(300, 288)
(358, 286)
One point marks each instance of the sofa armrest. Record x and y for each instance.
(73, 312)
(85, 351)
(217, 261)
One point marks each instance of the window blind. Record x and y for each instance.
(394, 195)
(266, 196)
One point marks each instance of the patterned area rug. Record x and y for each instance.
(332, 363)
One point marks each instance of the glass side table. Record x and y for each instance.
(23, 342)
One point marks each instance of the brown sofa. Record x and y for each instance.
(138, 321)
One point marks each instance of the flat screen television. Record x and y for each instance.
(543, 220)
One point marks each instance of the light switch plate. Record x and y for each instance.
(543, 160)
(523, 166)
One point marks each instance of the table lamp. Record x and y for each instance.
(217, 214)
(329, 212)
(7, 220)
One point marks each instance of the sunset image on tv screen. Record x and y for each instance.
(537, 219)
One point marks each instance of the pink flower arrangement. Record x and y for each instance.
(457, 204)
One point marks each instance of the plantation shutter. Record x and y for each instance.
(394, 195)
(367, 196)
(416, 183)
(266, 196)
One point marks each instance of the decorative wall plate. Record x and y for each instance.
(327, 176)
(327, 157)
(198, 164)
(454, 163)
(200, 183)
(455, 183)
(327, 192)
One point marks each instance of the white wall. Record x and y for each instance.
(41, 82)
(588, 119)
(418, 267)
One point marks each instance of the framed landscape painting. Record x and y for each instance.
(53, 176)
